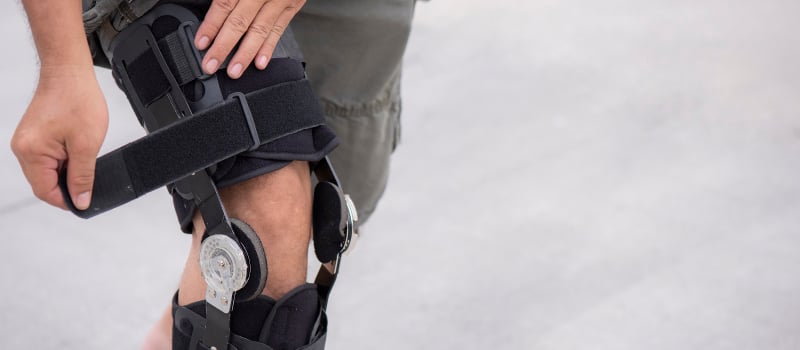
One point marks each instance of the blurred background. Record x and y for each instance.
(573, 175)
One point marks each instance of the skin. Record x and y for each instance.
(67, 120)
(278, 207)
(58, 127)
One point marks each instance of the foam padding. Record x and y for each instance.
(295, 321)
(290, 325)
(329, 215)
(256, 260)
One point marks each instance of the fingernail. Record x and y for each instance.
(211, 65)
(203, 43)
(236, 70)
(262, 62)
(83, 199)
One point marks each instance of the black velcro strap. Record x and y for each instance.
(178, 60)
(197, 142)
(147, 77)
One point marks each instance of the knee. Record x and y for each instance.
(280, 198)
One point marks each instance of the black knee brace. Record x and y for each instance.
(293, 322)
(154, 61)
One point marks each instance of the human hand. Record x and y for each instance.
(260, 22)
(66, 120)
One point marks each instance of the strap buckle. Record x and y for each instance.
(186, 32)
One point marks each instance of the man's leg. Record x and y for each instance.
(362, 104)
(278, 207)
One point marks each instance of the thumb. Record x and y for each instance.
(80, 174)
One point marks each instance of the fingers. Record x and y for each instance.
(43, 178)
(80, 172)
(261, 28)
(260, 22)
(40, 171)
(215, 18)
(225, 23)
(65, 121)
(271, 42)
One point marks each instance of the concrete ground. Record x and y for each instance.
(573, 175)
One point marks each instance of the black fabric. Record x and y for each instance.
(202, 140)
(290, 323)
(329, 213)
(147, 77)
(146, 74)
(117, 173)
(185, 321)
(198, 7)
(164, 26)
(247, 321)
(177, 59)
(180, 339)
(309, 145)
(250, 317)
(195, 143)
(301, 146)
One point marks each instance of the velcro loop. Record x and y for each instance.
(248, 116)
(177, 58)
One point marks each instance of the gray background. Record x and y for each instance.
(577, 174)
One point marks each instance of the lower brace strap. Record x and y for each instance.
(296, 321)
(197, 142)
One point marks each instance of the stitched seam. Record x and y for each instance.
(388, 101)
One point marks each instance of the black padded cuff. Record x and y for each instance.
(296, 321)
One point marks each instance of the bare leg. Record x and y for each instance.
(278, 207)
(160, 335)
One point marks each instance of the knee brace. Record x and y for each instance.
(295, 321)
(154, 61)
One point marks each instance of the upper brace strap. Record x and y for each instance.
(197, 142)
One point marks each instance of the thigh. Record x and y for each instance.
(354, 50)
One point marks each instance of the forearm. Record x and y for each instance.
(67, 117)
(57, 28)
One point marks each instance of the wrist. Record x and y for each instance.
(65, 76)
(62, 70)
(76, 56)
